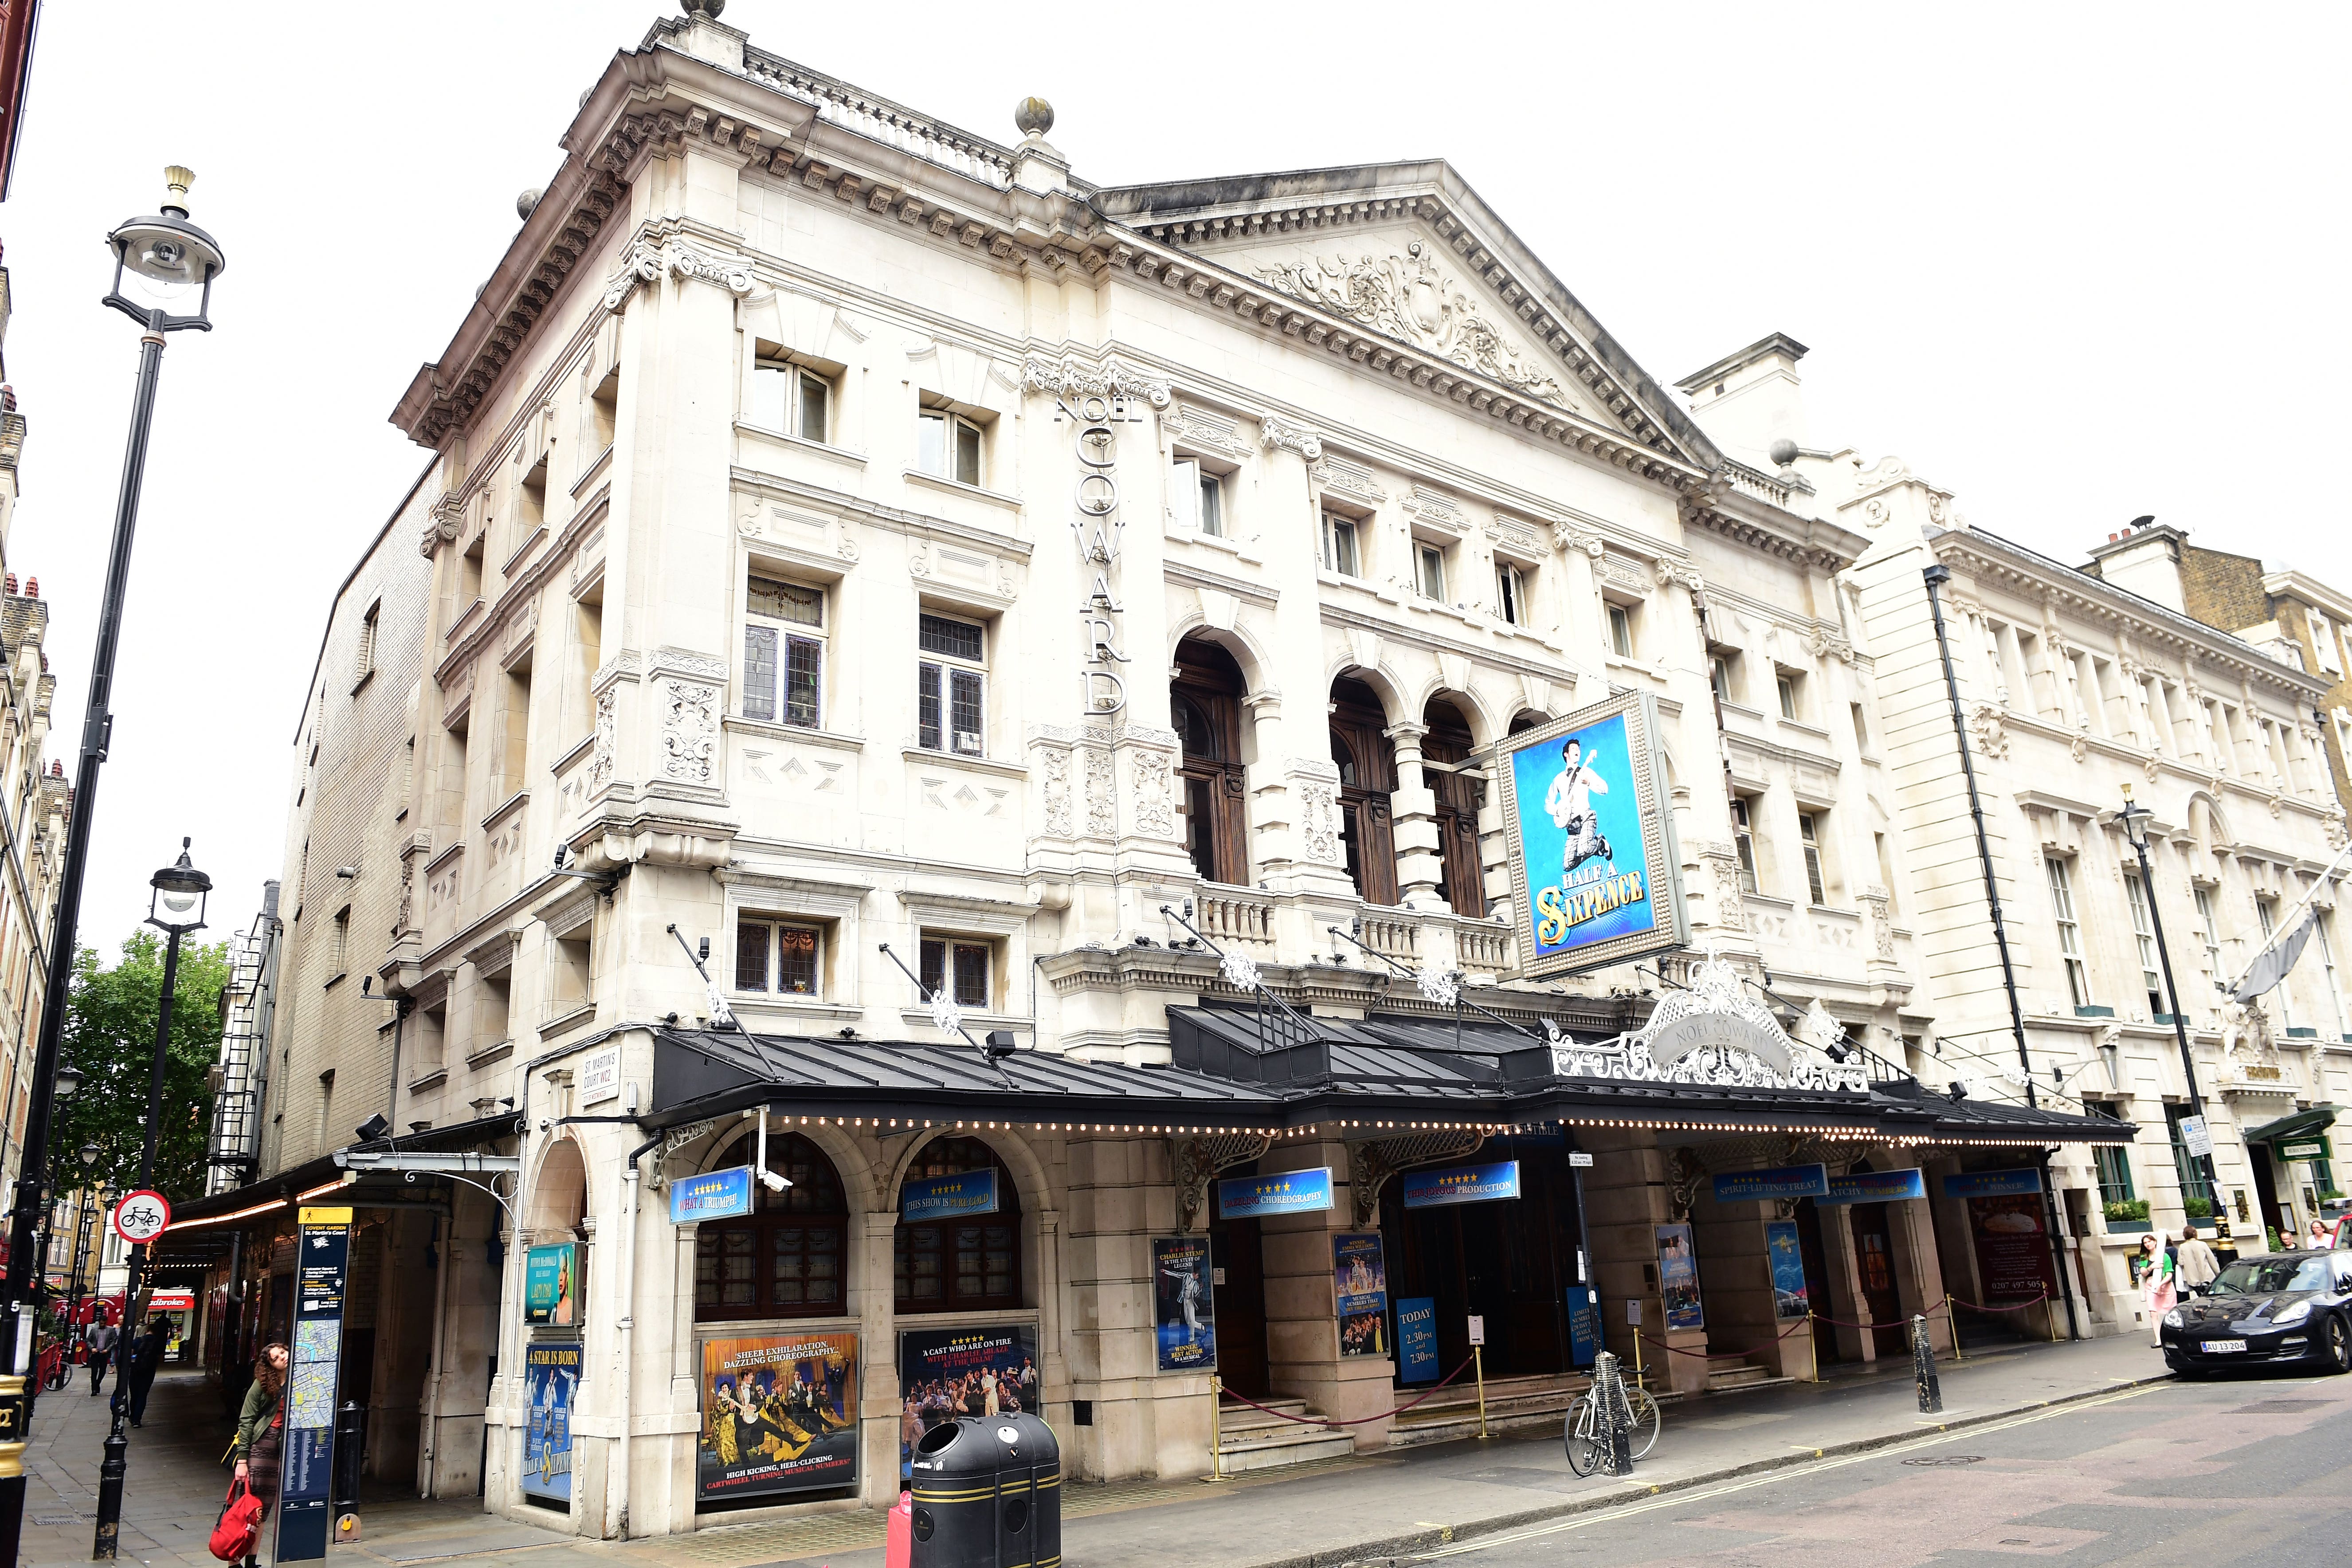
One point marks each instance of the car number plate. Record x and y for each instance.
(2218, 1347)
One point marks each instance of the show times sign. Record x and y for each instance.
(1595, 871)
(779, 1414)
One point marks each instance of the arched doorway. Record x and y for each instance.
(1204, 701)
(1510, 1262)
(1445, 751)
(786, 1258)
(1238, 1257)
(969, 1264)
(1367, 763)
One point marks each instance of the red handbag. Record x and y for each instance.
(239, 1526)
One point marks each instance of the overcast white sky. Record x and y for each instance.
(2074, 263)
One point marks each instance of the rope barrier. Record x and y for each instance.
(1359, 1421)
(1725, 1355)
(2020, 1307)
(1944, 1307)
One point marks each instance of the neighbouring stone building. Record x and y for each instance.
(966, 690)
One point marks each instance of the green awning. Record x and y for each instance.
(2302, 1124)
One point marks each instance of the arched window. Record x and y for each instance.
(1359, 745)
(786, 1258)
(1527, 719)
(1205, 702)
(1446, 748)
(959, 1265)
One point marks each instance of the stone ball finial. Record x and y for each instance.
(709, 9)
(1033, 116)
(527, 203)
(1783, 452)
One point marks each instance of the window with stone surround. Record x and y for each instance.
(790, 396)
(951, 445)
(788, 1258)
(950, 685)
(2070, 930)
(778, 957)
(784, 652)
(961, 1265)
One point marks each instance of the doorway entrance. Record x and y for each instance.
(2273, 1214)
(1817, 1276)
(1873, 1257)
(1237, 1255)
(1509, 1262)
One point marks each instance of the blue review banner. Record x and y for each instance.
(1992, 1184)
(948, 1197)
(1416, 1339)
(1783, 1182)
(1876, 1187)
(1462, 1185)
(714, 1194)
(1284, 1192)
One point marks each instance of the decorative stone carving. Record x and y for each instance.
(647, 262)
(1989, 730)
(1728, 911)
(600, 761)
(1102, 809)
(1826, 643)
(1565, 536)
(1875, 902)
(2079, 747)
(1075, 378)
(1318, 823)
(1057, 792)
(1278, 435)
(690, 729)
(1155, 810)
(1672, 572)
(1407, 298)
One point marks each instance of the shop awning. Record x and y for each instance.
(2308, 1124)
(1233, 1069)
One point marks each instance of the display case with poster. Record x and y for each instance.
(1183, 1307)
(550, 1379)
(946, 1373)
(1360, 1287)
(1596, 877)
(779, 1414)
(1678, 1278)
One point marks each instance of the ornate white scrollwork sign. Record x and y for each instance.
(1239, 969)
(1437, 984)
(1713, 1033)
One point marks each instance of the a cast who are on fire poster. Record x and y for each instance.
(1596, 876)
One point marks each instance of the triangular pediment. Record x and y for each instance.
(1409, 254)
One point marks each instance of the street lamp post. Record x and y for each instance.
(167, 264)
(2133, 818)
(177, 909)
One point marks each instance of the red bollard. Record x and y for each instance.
(898, 1545)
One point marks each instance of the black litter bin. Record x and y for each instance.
(988, 1494)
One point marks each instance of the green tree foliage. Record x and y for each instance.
(109, 1034)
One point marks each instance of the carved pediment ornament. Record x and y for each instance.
(1075, 378)
(1406, 297)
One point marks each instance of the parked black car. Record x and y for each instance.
(2291, 1307)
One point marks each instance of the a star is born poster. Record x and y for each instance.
(779, 1414)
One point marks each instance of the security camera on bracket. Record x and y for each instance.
(606, 882)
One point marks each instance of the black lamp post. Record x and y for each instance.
(162, 264)
(2134, 816)
(178, 907)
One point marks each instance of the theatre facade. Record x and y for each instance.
(908, 820)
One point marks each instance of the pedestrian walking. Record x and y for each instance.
(2195, 1264)
(100, 1337)
(261, 1427)
(2155, 1289)
(2319, 1237)
(146, 1360)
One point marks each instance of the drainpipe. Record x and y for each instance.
(1936, 576)
(627, 1322)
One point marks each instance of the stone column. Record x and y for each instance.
(879, 1395)
(1412, 812)
(1302, 1322)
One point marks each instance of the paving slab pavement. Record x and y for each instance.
(1368, 1506)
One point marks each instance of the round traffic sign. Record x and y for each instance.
(142, 1216)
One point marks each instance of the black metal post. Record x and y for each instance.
(22, 1302)
(1936, 576)
(1923, 1368)
(117, 1462)
(2180, 1024)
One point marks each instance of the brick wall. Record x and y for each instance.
(2223, 590)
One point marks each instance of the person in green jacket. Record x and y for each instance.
(262, 1425)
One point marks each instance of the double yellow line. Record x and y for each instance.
(1608, 1515)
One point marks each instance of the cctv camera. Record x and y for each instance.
(772, 1181)
(562, 853)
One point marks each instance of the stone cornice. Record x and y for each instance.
(917, 524)
(1991, 559)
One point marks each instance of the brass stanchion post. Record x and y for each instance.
(1812, 1345)
(1216, 1432)
(1952, 1322)
(1478, 1363)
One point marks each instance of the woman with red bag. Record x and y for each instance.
(261, 1434)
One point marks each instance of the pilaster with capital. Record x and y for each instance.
(1413, 809)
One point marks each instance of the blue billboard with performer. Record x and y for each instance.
(1594, 870)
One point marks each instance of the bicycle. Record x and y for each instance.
(1588, 1449)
